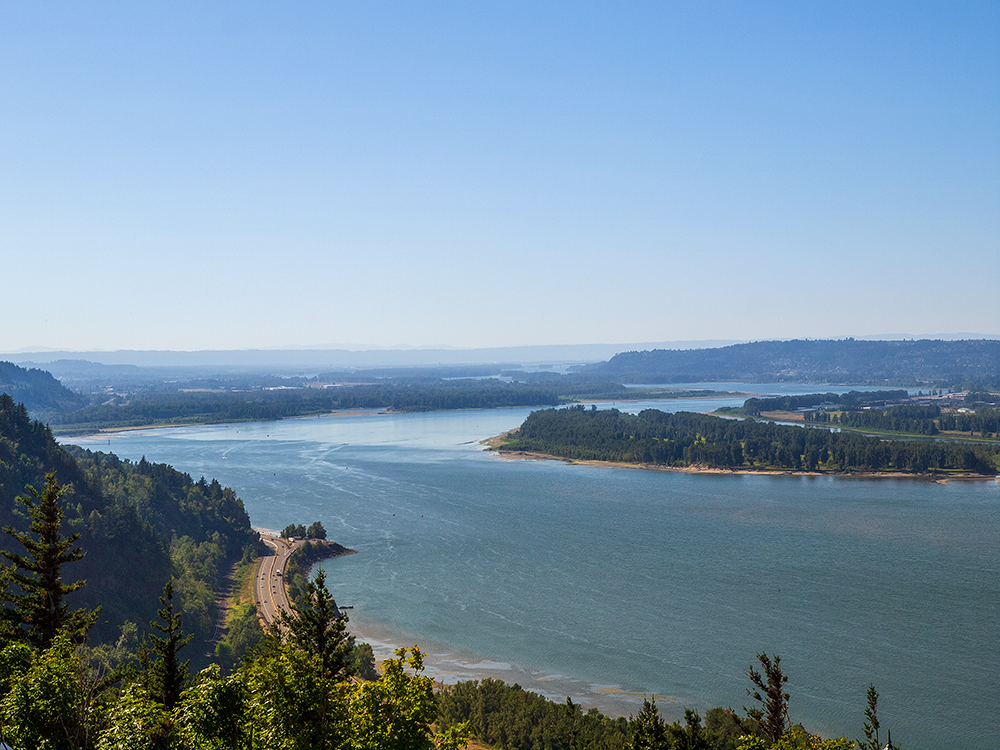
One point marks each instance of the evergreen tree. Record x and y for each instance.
(769, 692)
(871, 741)
(168, 673)
(648, 730)
(35, 610)
(692, 735)
(317, 628)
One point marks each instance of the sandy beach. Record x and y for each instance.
(493, 444)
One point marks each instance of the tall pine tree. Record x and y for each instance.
(316, 627)
(31, 587)
(769, 691)
(168, 673)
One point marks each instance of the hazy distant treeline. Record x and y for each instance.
(403, 395)
(972, 363)
(852, 400)
(167, 408)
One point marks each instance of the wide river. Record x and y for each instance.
(606, 584)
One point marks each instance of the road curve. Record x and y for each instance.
(269, 580)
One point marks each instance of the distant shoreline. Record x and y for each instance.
(105, 431)
(493, 444)
(67, 433)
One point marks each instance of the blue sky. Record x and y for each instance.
(212, 175)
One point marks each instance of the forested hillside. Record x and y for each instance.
(914, 363)
(140, 524)
(41, 393)
(684, 440)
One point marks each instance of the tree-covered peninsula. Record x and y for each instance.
(697, 441)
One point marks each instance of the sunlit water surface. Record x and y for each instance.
(603, 582)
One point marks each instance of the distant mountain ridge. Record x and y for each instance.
(922, 362)
(329, 359)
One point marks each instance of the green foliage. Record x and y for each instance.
(41, 393)
(685, 439)
(317, 628)
(395, 712)
(132, 519)
(769, 691)
(692, 735)
(984, 421)
(168, 673)
(796, 738)
(315, 531)
(851, 400)
(243, 634)
(363, 662)
(910, 419)
(200, 568)
(136, 721)
(509, 716)
(648, 730)
(871, 727)
(49, 703)
(215, 712)
(292, 706)
(36, 610)
(723, 728)
(282, 698)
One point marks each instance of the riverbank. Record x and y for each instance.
(273, 574)
(495, 445)
(67, 431)
(448, 665)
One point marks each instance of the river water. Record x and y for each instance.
(607, 584)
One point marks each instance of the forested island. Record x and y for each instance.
(697, 441)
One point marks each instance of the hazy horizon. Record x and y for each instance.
(390, 357)
(187, 177)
